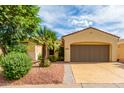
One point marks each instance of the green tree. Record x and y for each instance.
(44, 37)
(17, 22)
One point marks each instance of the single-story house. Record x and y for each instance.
(90, 45)
(87, 45)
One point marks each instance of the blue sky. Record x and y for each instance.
(67, 19)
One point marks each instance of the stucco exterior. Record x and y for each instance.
(38, 50)
(121, 50)
(34, 50)
(91, 36)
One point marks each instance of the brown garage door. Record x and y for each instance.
(89, 53)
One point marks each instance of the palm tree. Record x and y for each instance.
(55, 46)
(44, 37)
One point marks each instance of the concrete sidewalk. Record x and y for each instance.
(46, 86)
(68, 74)
(100, 85)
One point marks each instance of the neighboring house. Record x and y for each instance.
(33, 50)
(90, 45)
(121, 50)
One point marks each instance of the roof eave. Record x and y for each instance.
(89, 28)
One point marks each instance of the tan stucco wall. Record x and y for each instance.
(121, 50)
(31, 50)
(34, 50)
(90, 35)
(31, 54)
(38, 50)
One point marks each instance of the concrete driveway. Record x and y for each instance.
(108, 72)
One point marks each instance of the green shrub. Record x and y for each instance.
(39, 56)
(52, 58)
(60, 58)
(18, 48)
(1, 56)
(61, 54)
(45, 64)
(16, 65)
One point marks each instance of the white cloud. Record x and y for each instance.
(56, 15)
(80, 21)
(52, 14)
(113, 13)
(109, 13)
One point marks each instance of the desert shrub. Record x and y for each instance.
(46, 63)
(39, 56)
(15, 65)
(52, 58)
(18, 48)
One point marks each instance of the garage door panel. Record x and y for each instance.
(87, 53)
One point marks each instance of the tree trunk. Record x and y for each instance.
(55, 52)
(44, 54)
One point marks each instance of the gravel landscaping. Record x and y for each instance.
(38, 75)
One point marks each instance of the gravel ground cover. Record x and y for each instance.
(38, 75)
